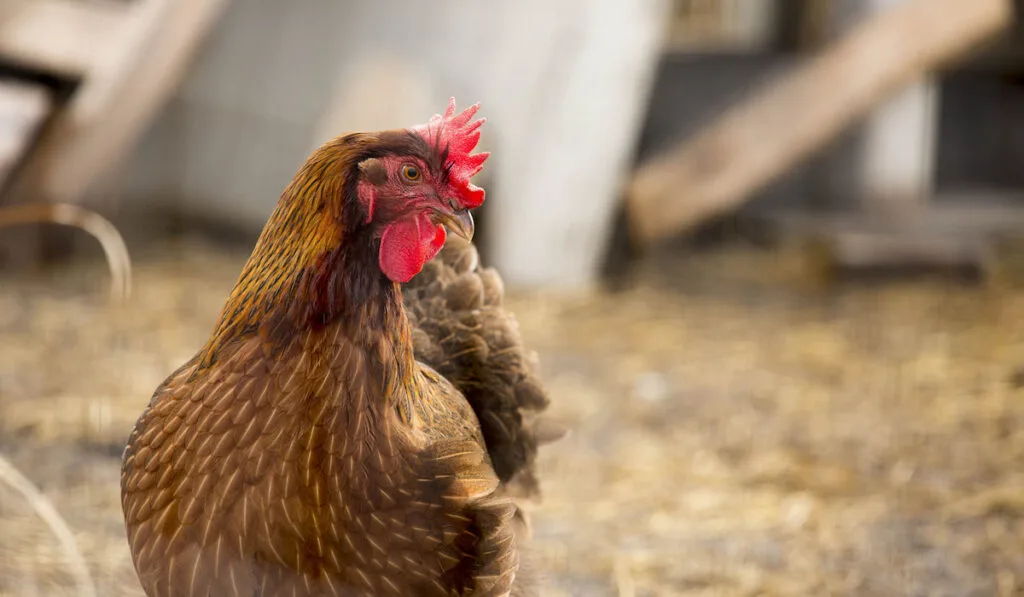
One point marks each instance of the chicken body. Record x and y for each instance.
(306, 451)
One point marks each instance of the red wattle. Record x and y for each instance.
(407, 244)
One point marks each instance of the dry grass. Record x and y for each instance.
(733, 433)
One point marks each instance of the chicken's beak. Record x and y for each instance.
(459, 222)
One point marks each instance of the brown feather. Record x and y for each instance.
(461, 329)
(303, 451)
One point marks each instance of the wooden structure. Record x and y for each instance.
(877, 71)
(121, 59)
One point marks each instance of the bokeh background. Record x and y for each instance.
(770, 252)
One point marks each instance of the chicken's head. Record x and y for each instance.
(413, 193)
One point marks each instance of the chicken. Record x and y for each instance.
(339, 434)
(461, 330)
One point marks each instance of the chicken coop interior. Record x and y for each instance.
(769, 254)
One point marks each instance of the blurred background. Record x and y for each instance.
(770, 253)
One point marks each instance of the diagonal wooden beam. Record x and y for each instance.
(61, 37)
(140, 59)
(764, 136)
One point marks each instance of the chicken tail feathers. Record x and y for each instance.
(461, 329)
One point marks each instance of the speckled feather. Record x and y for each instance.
(461, 329)
(304, 451)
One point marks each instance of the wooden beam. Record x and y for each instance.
(962, 229)
(62, 37)
(763, 137)
(120, 94)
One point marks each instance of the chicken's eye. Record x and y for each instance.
(411, 173)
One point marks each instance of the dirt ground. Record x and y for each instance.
(734, 432)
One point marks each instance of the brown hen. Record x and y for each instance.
(339, 435)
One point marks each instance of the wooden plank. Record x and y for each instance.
(976, 213)
(60, 36)
(119, 98)
(954, 230)
(862, 250)
(763, 137)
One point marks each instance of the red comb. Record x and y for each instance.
(459, 134)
